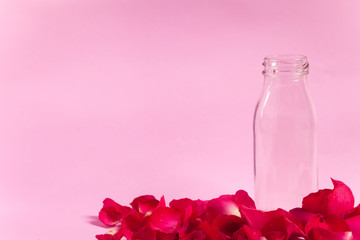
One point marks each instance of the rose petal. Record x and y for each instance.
(281, 226)
(227, 224)
(330, 222)
(242, 198)
(211, 233)
(256, 218)
(354, 212)
(354, 224)
(132, 224)
(181, 204)
(190, 211)
(144, 204)
(302, 215)
(247, 233)
(317, 202)
(341, 200)
(165, 220)
(112, 212)
(195, 235)
(104, 237)
(224, 205)
(110, 236)
(144, 234)
(324, 234)
(338, 201)
(164, 236)
(273, 224)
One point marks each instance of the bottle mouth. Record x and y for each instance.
(293, 65)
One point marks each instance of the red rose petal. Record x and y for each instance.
(342, 200)
(104, 237)
(112, 212)
(281, 226)
(247, 233)
(144, 234)
(317, 202)
(191, 211)
(273, 224)
(257, 218)
(132, 223)
(181, 204)
(165, 220)
(116, 236)
(331, 223)
(242, 198)
(164, 236)
(224, 205)
(227, 224)
(252, 234)
(324, 234)
(354, 212)
(302, 215)
(354, 224)
(195, 235)
(145, 203)
(338, 201)
(211, 233)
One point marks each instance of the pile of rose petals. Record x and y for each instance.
(328, 214)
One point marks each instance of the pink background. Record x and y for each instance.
(121, 98)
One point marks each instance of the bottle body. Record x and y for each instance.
(284, 139)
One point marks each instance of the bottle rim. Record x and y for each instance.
(285, 64)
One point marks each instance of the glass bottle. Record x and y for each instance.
(284, 135)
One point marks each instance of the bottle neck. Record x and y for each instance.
(285, 79)
(285, 68)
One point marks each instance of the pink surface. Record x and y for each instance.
(120, 98)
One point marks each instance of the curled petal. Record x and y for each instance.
(112, 212)
(165, 220)
(338, 201)
(144, 204)
(224, 205)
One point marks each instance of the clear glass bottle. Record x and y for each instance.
(284, 135)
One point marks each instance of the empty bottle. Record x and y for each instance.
(284, 135)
